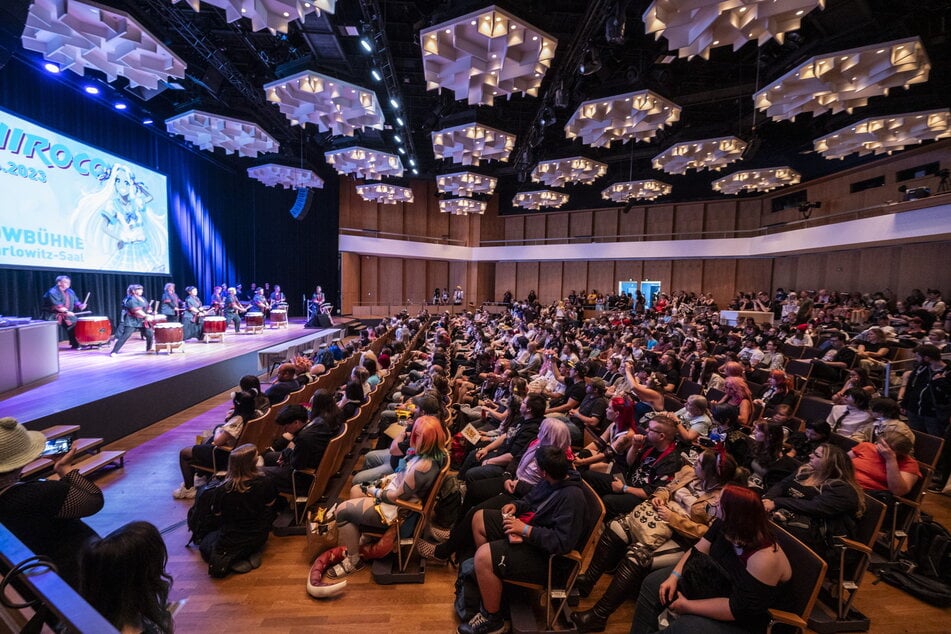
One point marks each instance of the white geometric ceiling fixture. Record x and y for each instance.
(486, 54)
(758, 180)
(331, 104)
(267, 14)
(880, 135)
(707, 154)
(634, 115)
(466, 184)
(462, 206)
(577, 169)
(845, 80)
(273, 174)
(77, 35)
(385, 193)
(537, 199)
(363, 163)
(693, 27)
(472, 143)
(627, 191)
(209, 131)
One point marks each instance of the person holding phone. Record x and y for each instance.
(45, 514)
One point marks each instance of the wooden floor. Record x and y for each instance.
(273, 598)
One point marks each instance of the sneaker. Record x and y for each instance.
(241, 566)
(345, 568)
(483, 623)
(439, 534)
(184, 493)
(427, 550)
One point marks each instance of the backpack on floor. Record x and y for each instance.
(468, 600)
(927, 570)
(203, 516)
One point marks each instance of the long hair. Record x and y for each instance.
(429, 438)
(244, 404)
(739, 387)
(322, 404)
(242, 468)
(625, 412)
(716, 468)
(745, 522)
(772, 445)
(783, 381)
(834, 465)
(554, 432)
(123, 577)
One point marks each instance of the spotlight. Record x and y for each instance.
(376, 75)
(51, 67)
(399, 121)
(394, 102)
(547, 117)
(397, 138)
(147, 122)
(415, 171)
(91, 90)
(412, 162)
(590, 63)
(367, 46)
(401, 150)
(628, 206)
(120, 106)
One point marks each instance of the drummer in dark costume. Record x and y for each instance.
(278, 298)
(135, 316)
(217, 300)
(171, 305)
(194, 312)
(233, 309)
(259, 302)
(59, 304)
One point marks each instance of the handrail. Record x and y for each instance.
(49, 588)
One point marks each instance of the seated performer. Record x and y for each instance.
(217, 300)
(136, 315)
(277, 298)
(193, 315)
(170, 306)
(317, 300)
(233, 309)
(59, 304)
(259, 302)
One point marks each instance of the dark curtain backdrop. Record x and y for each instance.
(223, 226)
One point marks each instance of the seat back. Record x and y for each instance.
(791, 351)
(594, 525)
(808, 573)
(800, 370)
(326, 468)
(672, 403)
(688, 388)
(713, 394)
(297, 396)
(260, 431)
(928, 448)
(813, 408)
(424, 513)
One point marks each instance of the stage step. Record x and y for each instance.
(58, 431)
(36, 467)
(87, 445)
(96, 462)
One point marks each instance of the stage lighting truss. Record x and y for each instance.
(462, 206)
(693, 27)
(360, 162)
(845, 80)
(385, 193)
(486, 54)
(287, 177)
(535, 200)
(472, 143)
(707, 154)
(757, 180)
(78, 35)
(634, 115)
(209, 131)
(273, 15)
(627, 191)
(466, 184)
(880, 135)
(577, 169)
(332, 105)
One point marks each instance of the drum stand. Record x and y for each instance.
(169, 347)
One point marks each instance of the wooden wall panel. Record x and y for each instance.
(526, 279)
(721, 216)
(718, 278)
(391, 281)
(631, 224)
(415, 221)
(923, 266)
(414, 282)
(748, 215)
(601, 276)
(581, 223)
(810, 271)
(369, 280)
(485, 288)
(755, 275)
(391, 217)
(574, 277)
(535, 227)
(514, 228)
(628, 270)
(660, 222)
(841, 271)
(549, 282)
(437, 224)
(349, 281)
(557, 226)
(491, 225)
(885, 263)
(458, 228)
(685, 274)
(504, 279)
(688, 221)
(606, 225)
(458, 275)
(659, 270)
(437, 276)
(784, 272)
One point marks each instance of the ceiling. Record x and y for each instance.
(228, 63)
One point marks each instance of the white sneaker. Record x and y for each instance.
(184, 493)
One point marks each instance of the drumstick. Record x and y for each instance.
(86, 300)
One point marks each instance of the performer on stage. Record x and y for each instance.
(317, 300)
(278, 298)
(217, 300)
(259, 302)
(233, 309)
(457, 296)
(194, 313)
(170, 306)
(59, 304)
(136, 315)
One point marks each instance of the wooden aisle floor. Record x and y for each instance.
(273, 598)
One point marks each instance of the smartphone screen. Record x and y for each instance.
(56, 446)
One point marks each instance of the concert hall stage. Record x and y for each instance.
(111, 397)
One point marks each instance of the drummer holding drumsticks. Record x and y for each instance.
(194, 313)
(60, 304)
(136, 315)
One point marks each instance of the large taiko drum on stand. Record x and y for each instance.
(93, 331)
(214, 328)
(254, 322)
(279, 318)
(158, 319)
(168, 336)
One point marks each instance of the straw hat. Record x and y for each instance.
(18, 445)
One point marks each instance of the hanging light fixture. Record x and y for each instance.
(880, 135)
(634, 115)
(577, 169)
(627, 191)
(385, 193)
(535, 200)
(757, 180)
(706, 154)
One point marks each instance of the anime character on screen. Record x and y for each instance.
(118, 225)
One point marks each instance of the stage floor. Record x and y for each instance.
(113, 396)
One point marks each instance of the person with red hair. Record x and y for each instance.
(748, 568)
(614, 441)
(779, 391)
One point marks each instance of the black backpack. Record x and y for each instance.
(203, 516)
(926, 573)
(448, 503)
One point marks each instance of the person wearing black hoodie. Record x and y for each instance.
(515, 542)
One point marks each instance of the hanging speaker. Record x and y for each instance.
(302, 204)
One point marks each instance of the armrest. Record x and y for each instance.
(851, 544)
(787, 618)
(416, 507)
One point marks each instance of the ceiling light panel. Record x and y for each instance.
(462, 206)
(707, 154)
(209, 131)
(472, 143)
(78, 35)
(880, 135)
(287, 177)
(331, 104)
(634, 115)
(486, 54)
(274, 15)
(363, 163)
(635, 190)
(385, 193)
(845, 80)
(758, 180)
(466, 184)
(535, 200)
(577, 169)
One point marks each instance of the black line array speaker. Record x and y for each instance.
(302, 204)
